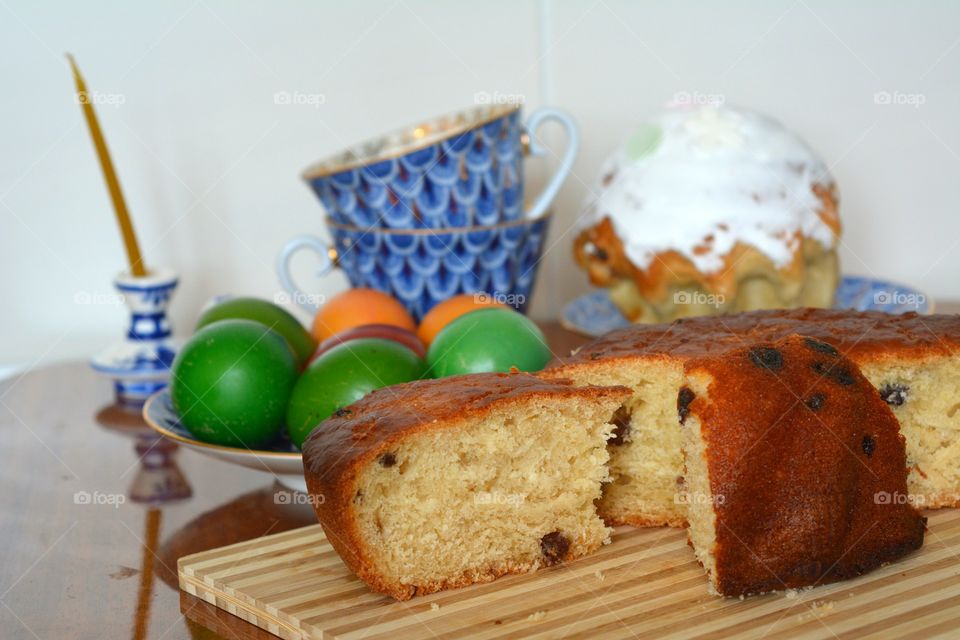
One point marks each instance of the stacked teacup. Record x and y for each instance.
(436, 209)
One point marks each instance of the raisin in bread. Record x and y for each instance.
(795, 468)
(437, 484)
(913, 360)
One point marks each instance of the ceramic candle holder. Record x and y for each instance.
(139, 364)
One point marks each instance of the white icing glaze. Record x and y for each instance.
(722, 171)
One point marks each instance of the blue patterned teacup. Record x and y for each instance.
(460, 170)
(422, 267)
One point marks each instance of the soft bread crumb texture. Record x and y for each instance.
(646, 461)
(437, 484)
(925, 397)
(647, 467)
(508, 492)
(698, 495)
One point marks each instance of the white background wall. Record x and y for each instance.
(210, 162)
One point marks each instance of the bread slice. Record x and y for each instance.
(913, 360)
(646, 462)
(795, 469)
(438, 484)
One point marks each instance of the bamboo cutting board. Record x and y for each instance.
(646, 584)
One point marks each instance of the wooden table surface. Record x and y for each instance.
(95, 512)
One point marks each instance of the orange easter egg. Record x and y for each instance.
(358, 307)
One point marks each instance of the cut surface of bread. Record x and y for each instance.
(442, 483)
(646, 462)
(924, 394)
(913, 360)
(795, 469)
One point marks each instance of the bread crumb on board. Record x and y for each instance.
(599, 575)
(818, 609)
(434, 606)
(537, 616)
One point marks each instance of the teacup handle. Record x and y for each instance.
(549, 192)
(328, 256)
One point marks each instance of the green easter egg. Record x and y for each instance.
(231, 382)
(488, 340)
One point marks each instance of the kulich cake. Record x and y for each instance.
(711, 210)
(438, 484)
(795, 469)
(913, 361)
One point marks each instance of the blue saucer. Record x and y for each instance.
(594, 314)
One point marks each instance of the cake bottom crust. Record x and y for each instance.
(941, 501)
(483, 575)
(644, 520)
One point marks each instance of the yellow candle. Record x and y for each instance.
(113, 185)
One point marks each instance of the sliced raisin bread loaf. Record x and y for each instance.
(442, 483)
(913, 360)
(795, 468)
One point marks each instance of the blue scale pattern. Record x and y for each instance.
(423, 269)
(475, 178)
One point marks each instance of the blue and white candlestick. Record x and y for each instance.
(140, 363)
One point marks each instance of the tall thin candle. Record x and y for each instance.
(113, 184)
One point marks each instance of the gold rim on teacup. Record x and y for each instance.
(431, 231)
(402, 141)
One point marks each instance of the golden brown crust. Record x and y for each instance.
(861, 335)
(807, 467)
(865, 337)
(340, 447)
(601, 252)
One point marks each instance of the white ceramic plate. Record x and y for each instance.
(282, 459)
